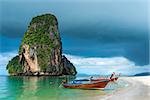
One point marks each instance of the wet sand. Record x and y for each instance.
(138, 89)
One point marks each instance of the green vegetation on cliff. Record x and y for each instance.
(48, 18)
(41, 33)
(38, 32)
(43, 58)
(14, 66)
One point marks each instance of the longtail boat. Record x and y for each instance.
(91, 85)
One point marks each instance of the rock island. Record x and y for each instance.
(40, 51)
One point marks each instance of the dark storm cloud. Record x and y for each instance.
(139, 53)
(103, 28)
(109, 41)
(102, 34)
(12, 30)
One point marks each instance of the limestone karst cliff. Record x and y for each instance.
(40, 52)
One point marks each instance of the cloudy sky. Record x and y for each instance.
(105, 35)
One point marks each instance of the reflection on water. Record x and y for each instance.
(29, 84)
(43, 88)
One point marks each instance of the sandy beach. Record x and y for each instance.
(138, 89)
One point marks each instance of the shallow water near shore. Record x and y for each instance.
(45, 87)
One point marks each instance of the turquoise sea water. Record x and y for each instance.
(48, 88)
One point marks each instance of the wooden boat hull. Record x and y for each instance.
(92, 85)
